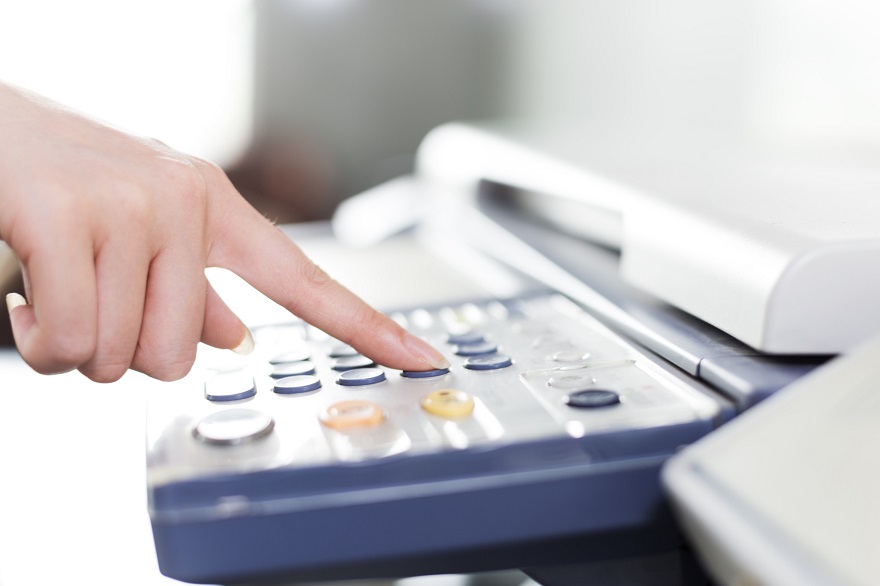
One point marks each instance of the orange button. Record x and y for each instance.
(348, 414)
(448, 403)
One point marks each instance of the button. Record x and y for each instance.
(468, 337)
(292, 385)
(448, 403)
(350, 362)
(424, 373)
(488, 362)
(570, 356)
(476, 349)
(348, 414)
(292, 356)
(361, 376)
(233, 426)
(571, 381)
(293, 369)
(230, 387)
(592, 399)
(340, 350)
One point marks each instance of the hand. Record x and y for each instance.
(114, 232)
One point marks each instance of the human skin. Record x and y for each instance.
(113, 233)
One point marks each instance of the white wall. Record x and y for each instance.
(179, 71)
(800, 73)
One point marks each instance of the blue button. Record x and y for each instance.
(476, 349)
(469, 337)
(292, 356)
(424, 373)
(592, 399)
(230, 387)
(351, 362)
(488, 362)
(361, 376)
(293, 385)
(292, 369)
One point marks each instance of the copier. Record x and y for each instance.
(660, 317)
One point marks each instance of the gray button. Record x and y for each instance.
(293, 369)
(592, 399)
(424, 373)
(361, 376)
(230, 386)
(340, 350)
(476, 349)
(293, 385)
(468, 337)
(351, 362)
(233, 426)
(488, 362)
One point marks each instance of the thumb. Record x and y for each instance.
(222, 328)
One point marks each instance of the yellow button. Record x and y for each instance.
(448, 403)
(347, 414)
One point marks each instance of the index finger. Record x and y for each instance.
(252, 247)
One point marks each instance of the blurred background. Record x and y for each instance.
(307, 102)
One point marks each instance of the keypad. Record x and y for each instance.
(520, 370)
(539, 400)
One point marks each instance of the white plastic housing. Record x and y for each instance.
(781, 252)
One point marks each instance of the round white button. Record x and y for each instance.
(233, 426)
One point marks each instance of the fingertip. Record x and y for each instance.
(222, 328)
(14, 300)
(425, 353)
(246, 346)
(19, 320)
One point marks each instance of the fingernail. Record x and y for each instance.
(246, 346)
(425, 352)
(14, 300)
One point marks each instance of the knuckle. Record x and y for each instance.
(107, 367)
(65, 351)
(166, 366)
(185, 180)
(107, 373)
(315, 276)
